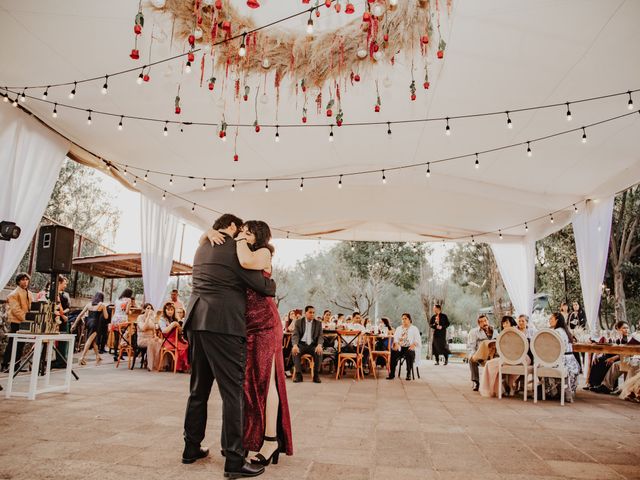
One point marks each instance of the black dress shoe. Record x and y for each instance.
(316, 379)
(408, 379)
(297, 378)
(191, 455)
(390, 378)
(476, 386)
(247, 470)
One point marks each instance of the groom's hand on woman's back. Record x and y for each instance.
(215, 237)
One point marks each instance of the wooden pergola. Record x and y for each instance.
(120, 265)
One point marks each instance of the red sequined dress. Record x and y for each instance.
(264, 345)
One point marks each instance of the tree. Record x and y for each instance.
(624, 244)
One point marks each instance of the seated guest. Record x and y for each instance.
(610, 382)
(307, 339)
(477, 335)
(290, 321)
(340, 319)
(523, 326)
(170, 327)
(405, 341)
(601, 365)
(120, 315)
(507, 322)
(96, 312)
(557, 322)
(326, 319)
(147, 338)
(19, 303)
(175, 299)
(385, 326)
(491, 382)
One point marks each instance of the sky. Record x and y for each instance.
(288, 251)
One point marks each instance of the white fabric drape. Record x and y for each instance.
(30, 159)
(158, 229)
(516, 262)
(591, 228)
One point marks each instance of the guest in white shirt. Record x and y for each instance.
(177, 303)
(405, 341)
(476, 336)
(523, 326)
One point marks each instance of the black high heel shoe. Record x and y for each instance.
(261, 460)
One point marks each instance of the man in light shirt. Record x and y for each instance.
(177, 303)
(405, 341)
(477, 335)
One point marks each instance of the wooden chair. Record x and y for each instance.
(375, 354)
(548, 360)
(127, 331)
(306, 358)
(512, 346)
(170, 348)
(355, 358)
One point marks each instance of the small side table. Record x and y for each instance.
(38, 341)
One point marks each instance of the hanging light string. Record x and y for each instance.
(379, 171)
(174, 57)
(7, 91)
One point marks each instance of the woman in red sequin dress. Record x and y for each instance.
(267, 422)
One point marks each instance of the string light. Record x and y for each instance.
(568, 113)
(89, 118)
(473, 240)
(509, 124)
(630, 102)
(55, 111)
(310, 25)
(5, 98)
(171, 180)
(500, 234)
(447, 129)
(72, 93)
(389, 128)
(15, 102)
(428, 170)
(384, 178)
(551, 218)
(340, 182)
(526, 227)
(204, 184)
(301, 183)
(146, 176)
(477, 162)
(277, 133)
(266, 186)
(193, 208)
(187, 67)
(125, 171)
(135, 181)
(165, 132)
(584, 135)
(164, 196)
(120, 126)
(45, 93)
(575, 209)
(529, 152)
(106, 85)
(331, 134)
(243, 49)
(140, 77)
(23, 97)
(233, 186)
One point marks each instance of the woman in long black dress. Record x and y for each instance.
(96, 314)
(439, 323)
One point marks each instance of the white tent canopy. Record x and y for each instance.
(501, 55)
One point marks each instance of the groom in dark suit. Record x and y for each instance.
(307, 339)
(216, 329)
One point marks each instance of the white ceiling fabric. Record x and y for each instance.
(501, 55)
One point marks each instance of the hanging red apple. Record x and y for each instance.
(235, 157)
(327, 3)
(253, 4)
(304, 119)
(424, 39)
(440, 54)
(135, 53)
(349, 8)
(226, 26)
(191, 57)
(426, 85)
(192, 40)
(218, 4)
(376, 109)
(329, 112)
(413, 97)
(146, 77)
(366, 16)
(137, 29)
(178, 110)
(338, 7)
(385, 37)
(356, 77)
(257, 128)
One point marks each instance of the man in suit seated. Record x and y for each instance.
(307, 340)
(477, 336)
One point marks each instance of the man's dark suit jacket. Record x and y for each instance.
(219, 297)
(316, 333)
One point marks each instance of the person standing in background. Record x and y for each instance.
(439, 323)
(19, 302)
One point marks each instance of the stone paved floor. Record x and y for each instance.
(120, 424)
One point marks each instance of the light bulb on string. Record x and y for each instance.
(447, 129)
(72, 93)
(140, 78)
(106, 85)
(551, 218)
(509, 123)
(187, 67)
(171, 180)
(473, 240)
(165, 132)
(23, 97)
(120, 126)
(204, 184)
(135, 181)
(477, 165)
(353, 248)
(340, 182)
(193, 208)
(310, 25)
(242, 51)
(331, 134)
(164, 196)
(302, 184)
(389, 129)
(45, 93)
(125, 171)
(526, 227)
(89, 118)
(584, 135)
(6, 98)
(277, 138)
(233, 185)
(266, 186)
(384, 178)
(15, 102)
(428, 170)
(575, 208)
(569, 117)
(500, 234)
(55, 111)
(630, 102)
(146, 176)
(529, 152)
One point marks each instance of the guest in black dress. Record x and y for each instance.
(439, 323)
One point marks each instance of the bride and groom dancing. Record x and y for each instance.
(235, 337)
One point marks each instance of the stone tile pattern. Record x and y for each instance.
(119, 424)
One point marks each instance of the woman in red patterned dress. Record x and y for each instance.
(267, 423)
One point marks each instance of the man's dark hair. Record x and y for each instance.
(309, 307)
(226, 220)
(21, 276)
(354, 314)
(438, 306)
(340, 315)
(175, 290)
(482, 316)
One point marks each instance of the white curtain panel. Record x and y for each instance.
(591, 228)
(516, 262)
(158, 230)
(30, 159)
